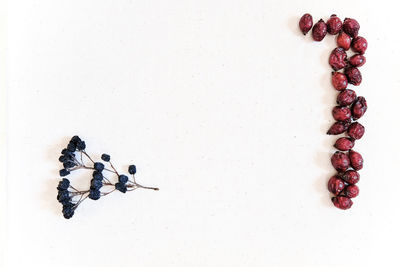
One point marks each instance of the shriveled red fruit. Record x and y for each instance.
(351, 191)
(343, 40)
(359, 45)
(351, 27)
(344, 144)
(359, 107)
(338, 127)
(339, 81)
(341, 113)
(346, 97)
(335, 185)
(306, 23)
(356, 130)
(319, 30)
(340, 161)
(356, 160)
(351, 176)
(357, 60)
(338, 58)
(353, 75)
(342, 202)
(334, 25)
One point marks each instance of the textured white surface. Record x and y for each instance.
(222, 104)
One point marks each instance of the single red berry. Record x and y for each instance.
(334, 25)
(356, 130)
(359, 107)
(344, 143)
(341, 113)
(340, 161)
(357, 60)
(351, 27)
(353, 75)
(351, 191)
(338, 58)
(335, 185)
(339, 81)
(351, 177)
(342, 202)
(346, 97)
(343, 40)
(356, 160)
(338, 127)
(359, 45)
(306, 23)
(319, 30)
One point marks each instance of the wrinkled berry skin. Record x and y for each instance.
(342, 202)
(356, 130)
(344, 144)
(359, 45)
(359, 107)
(341, 113)
(319, 30)
(356, 160)
(346, 97)
(339, 81)
(351, 27)
(353, 75)
(343, 40)
(334, 25)
(340, 161)
(338, 127)
(351, 191)
(351, 177)
(357, 60)
(335, 185)
(305, 23)
(338, 58)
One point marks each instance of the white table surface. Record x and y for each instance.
(222, 104)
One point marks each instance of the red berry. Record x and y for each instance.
(353, 75)
(338, 127)
(341, 113)
(351, 177)
(351, 191)
(356, 130)
(356, 160)
(343, 41)
(346, 97)
(319, 30)
(344, 144)
(339, 81)
(359, 107)
(357, 60)
(335, 185)
(334, 25)
(351, 27)
(306, 23)
(342, 202)
(338, 58)
(359, 45)
(340, 161)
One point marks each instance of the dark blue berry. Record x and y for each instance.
(98, 166)
(95, 184)
(64, 172)
(69, 164)
(62, 158)
(97, 175)
(75, 139)
(94, 194)
(81, 145)
(64, 151)
(105, 157)
(71, 147)
(120, 187)
(63, 195)
(68, 210)
(63, 184)
(123, 179)
(132, 169)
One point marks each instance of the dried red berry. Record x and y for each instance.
(340, 161)
(351, 27)
(359, 45)
(359, 107)
(319, 30)
(353, 75)
(339, 81)
(338, 127)
(357, 60)
(338, 58)
(356, 160)
(341, 113)
(334, 25)
(351, 177)
(342, 202)
(343, 41)
(351, 191)
(346, 97)
(306, 23)
(335, 185)
(356, 130)
(344, 144)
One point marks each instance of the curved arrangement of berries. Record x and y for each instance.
(72, 160)
(350, 107)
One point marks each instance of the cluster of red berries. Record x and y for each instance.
(350, 108)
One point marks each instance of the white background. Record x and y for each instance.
(224, 105)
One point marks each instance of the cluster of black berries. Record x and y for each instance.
(70, 197)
